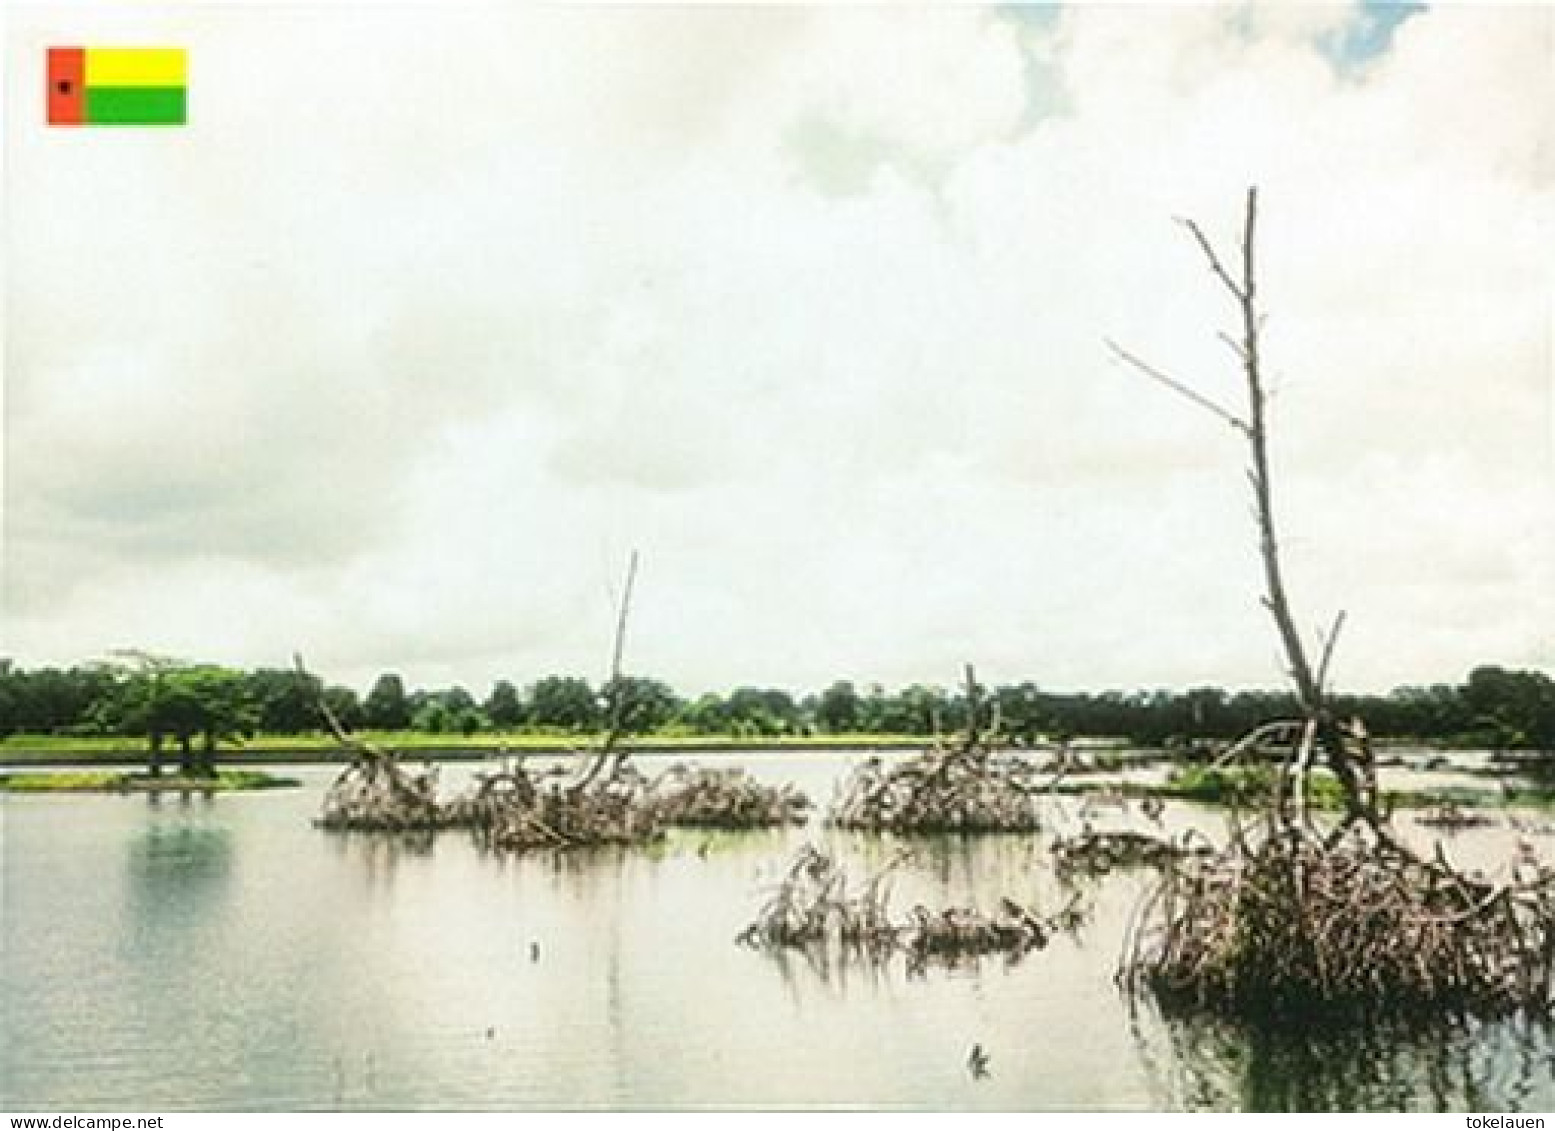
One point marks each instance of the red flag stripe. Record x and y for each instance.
(67, 86)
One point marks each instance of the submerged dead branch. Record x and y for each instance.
(959, 933)
(1451, 816)
(815, 908)
(1091, 854)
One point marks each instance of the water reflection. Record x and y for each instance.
(379, 854)
(1289, 1065)
(836, 970)
(839, 970)
(177, 859)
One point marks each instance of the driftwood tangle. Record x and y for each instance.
(963, 787)
(374, 792)
(603, 800)
(725, 798)
(1294, 922)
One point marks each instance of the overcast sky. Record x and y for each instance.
(431, 314)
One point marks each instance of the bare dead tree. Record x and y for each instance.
(1293, 916)
(617, 695)
(1344, 746)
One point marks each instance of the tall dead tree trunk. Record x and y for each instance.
(1341, 746)
(617, 696)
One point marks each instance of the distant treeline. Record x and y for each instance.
(208, 703)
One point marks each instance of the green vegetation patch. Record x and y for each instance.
(1540, 796)
(108, 781)
(1246, 785)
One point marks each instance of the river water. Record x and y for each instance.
(223, 954)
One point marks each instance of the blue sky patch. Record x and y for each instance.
(1367, 35)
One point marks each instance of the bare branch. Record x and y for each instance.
(1282, 730)
(1177, 387)
(974, 704)
(1328, 649)
(1249, 242)
(615, 694)
(1304, 764)
(1236, 346)
(1214, 260)
(343, 736)
(626, 606)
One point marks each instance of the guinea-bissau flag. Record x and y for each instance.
(118, 86)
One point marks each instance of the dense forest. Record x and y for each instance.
(207, 705)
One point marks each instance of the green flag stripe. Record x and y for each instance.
(136, 105)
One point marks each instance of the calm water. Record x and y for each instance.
(223, 954)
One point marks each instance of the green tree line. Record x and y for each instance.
(189, 709)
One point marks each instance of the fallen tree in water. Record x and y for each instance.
(374, 793)
(816, 908)
(960, 788)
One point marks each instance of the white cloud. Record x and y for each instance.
(429, 316)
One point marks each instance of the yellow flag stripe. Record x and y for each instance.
(136, 66)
